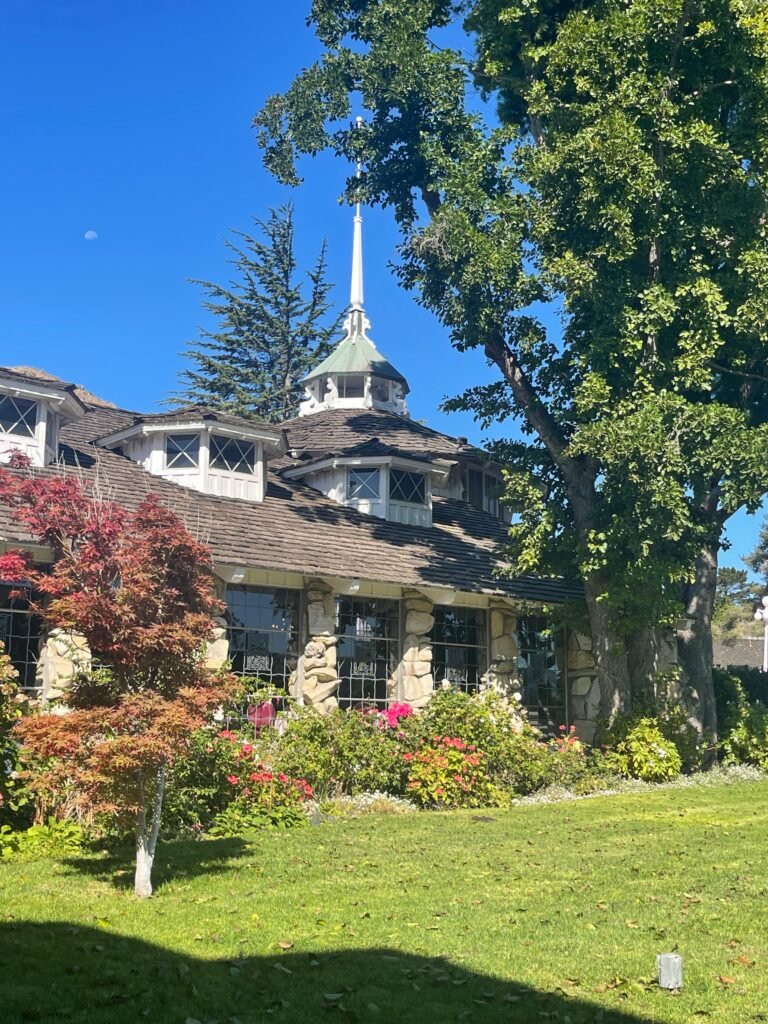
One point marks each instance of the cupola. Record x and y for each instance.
(355, 375)
(33, 407)
(197, 447)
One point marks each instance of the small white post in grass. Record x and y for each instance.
(670, 970)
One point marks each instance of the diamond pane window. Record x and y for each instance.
(363, 483)
(368, 632)
(263, 632)
(408, 487)
(182, 451)
(459, 647)
(541, 657)
(18, 416)
(20, 634)
(232, 456)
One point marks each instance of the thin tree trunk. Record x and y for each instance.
(610, 654)
(694, 643)
(146, 837)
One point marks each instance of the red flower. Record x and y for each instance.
(233, 779)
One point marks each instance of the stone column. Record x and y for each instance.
(502, 675)
(318, 663)
(584, 687)
(62, 656)
(417, 681)
(217, 649)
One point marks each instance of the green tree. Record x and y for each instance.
(757, 560)
(735, 602)
(624, 181)
(270, 333)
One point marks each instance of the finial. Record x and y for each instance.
(357, 322)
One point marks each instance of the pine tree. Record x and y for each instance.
(269, 335)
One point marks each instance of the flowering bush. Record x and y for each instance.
(447, 772)
(345, 751)
(262, 799)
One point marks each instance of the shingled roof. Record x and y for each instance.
(297, 529)
(334, 431)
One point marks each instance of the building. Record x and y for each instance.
(357, 550)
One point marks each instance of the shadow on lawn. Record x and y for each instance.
(56, 972)
(191, 858)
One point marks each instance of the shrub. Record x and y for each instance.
(197, 789)
(262, 799)
(344, 751)
(52, 839)
(487, 720)
(730, 700)
(641, 751)
(447, 772)
(13, 704)
(747, 742)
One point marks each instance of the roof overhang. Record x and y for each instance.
(273, 438)
(437, 470)
(63, 398)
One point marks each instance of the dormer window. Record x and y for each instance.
(18, 416)
(407, 487)
(363, 484)
(231, 455)
(182, 451)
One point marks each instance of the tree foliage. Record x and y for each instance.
(138, 587)
(273, 327)
(622, 182)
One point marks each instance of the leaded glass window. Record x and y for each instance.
(369, 637)
(408, 487)
(20, 634)
(182, 451)
(231, 455)
(263, 632)
(363, 483)
(541, 661)
(18, 416)
(459, 647)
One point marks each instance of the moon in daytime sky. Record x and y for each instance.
(90, 235)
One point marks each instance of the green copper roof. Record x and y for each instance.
(357, 354)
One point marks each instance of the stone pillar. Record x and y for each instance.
(217, 649)
(417, 681)
(62, 656)
(583, 684)
(502, 675)
(318, 664)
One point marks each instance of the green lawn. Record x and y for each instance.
(541, 913)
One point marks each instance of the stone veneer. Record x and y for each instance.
(62, 656)
(583, 685)
(315, 680)
(416, 680)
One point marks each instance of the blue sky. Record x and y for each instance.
(132, 120)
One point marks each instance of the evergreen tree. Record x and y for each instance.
(270, 333)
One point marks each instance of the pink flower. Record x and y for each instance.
(247, 748)
(233, 780)
(227, 734)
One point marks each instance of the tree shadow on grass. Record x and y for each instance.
(53, 972)
(191, 858)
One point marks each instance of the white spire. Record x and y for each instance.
(357, 322)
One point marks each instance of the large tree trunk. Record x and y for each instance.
(694, 643)
(146, 837)
(610, 654)
(651, 652)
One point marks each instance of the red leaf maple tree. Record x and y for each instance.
(138, 587)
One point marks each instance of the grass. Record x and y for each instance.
(541, 913)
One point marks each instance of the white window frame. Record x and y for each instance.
(367, 471)
(21, 416)
(171, 462)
